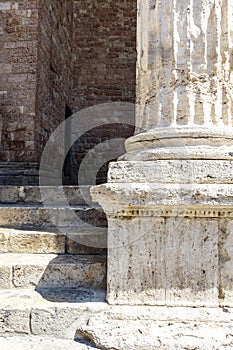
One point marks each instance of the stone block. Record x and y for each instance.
(5, 6)
(172, 171)
(191, 261)
(8, 194)
(5, 277)
(36, 242)
(15, 320)
(52, 271)
(73, 247)
(73, 271)
(56, 322)
(225, 262)
(87, 241)
(24, 276)
(134, 328)
(35, 216)
(158, 261)
(3, 241)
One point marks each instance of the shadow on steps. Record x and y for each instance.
(74, 279)
(73, 295)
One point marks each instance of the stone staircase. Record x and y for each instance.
(52, 287)
(48, 276)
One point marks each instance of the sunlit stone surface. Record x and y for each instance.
(169, 199)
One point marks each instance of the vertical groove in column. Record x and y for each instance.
(198, 59)
(197, 39)
(155, 66)
(141, 66)
(181, 61)
(184, 70)
(191, 95)
(148, 64)
(230, 60)
(211, 58)
(166, 16)
(202, 110)
(224, 45)
(226, 53)
(219, 75)
(175, 49)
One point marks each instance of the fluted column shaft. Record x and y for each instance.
(184, 75)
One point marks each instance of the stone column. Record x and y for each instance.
(169, 199)
(184, 80)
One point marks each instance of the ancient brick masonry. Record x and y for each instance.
(18, 68)
(54, 66)
(59, 54)
(35, 73)
(104, 67)
(104, 52)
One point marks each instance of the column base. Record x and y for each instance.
(170, 233)
(180, 142)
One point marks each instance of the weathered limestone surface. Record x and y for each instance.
(42, 343)
(155, 328)
(51, 271)
(53, 312)
(26, 317)
(169, 201)
(169, 244)
(178, 268)
(51, 241)
(38, 216)
(50, 194)
(184, 80)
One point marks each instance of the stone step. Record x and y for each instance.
(48, 194)
(19, 173)
(52, 312)
(37, 215)
(87, 240)
(91, 322)
(52, 271)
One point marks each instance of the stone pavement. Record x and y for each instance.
(46, 343)
(29, 320)
(150, 328)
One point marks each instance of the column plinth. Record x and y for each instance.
(169, 199)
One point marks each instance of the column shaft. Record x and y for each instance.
(184, 75)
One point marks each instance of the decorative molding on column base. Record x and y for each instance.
(169, 243)
(19, 174)
(189, 153)
(181, 142)
(137, 198)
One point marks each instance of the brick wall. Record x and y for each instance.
(58, 53)
(35, 74)
(104, 66)
(54, 67)
(18, 66)
(104, 52)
